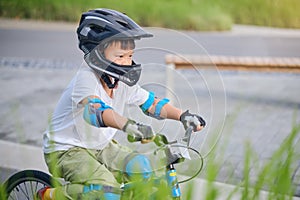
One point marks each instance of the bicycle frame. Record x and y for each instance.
(170, 177)
(170, 171)
(172, 180)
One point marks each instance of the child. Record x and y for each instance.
(79, 143)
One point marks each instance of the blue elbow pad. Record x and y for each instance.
(93, 115)
(159, 106)
(148, 103)
(103, 105)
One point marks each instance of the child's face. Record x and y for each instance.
(116, 54)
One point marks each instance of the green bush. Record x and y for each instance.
(175, 14)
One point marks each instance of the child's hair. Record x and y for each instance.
(125, 44)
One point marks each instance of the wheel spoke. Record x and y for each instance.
(25, 190)
(24, 184)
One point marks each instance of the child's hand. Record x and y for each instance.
(193, 120)
(138, 132)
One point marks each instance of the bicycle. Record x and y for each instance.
(26, 183)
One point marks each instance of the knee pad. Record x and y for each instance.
(138, 166)
(111, 196)
(104, 192)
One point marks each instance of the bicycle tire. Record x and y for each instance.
(26, 183)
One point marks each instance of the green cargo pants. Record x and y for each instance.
(81, 167)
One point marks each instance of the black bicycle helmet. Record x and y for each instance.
(102, 25)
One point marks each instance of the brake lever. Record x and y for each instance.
(187, 136)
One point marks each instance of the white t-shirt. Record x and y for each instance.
(68, 128)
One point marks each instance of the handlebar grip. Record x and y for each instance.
(131, 139)
(160, 140)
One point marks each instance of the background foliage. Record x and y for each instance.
(175, 14)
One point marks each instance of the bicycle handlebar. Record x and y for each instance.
(172, 158)
(161, 140)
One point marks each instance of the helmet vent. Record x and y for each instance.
(97, 29)
(123, 23)
(102, 12)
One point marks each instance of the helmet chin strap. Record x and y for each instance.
(108, 82)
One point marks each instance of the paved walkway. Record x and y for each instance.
(240, 107)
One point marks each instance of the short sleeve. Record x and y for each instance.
(137, 95)
(85, 84)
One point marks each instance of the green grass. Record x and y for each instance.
(275, 176)
(175, 14)
(279, 13)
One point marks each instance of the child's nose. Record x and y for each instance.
(126, 61)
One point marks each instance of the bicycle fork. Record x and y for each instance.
(171, 177)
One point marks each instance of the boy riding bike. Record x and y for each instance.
(79, 145)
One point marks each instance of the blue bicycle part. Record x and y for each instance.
(171, 177)
(138, 165)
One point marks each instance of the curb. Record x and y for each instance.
(21, 156)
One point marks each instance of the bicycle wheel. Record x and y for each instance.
(25, 184)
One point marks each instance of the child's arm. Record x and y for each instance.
(161, 109)
(98, 114)
(168, 111)
(113, 119)
(106, 116)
